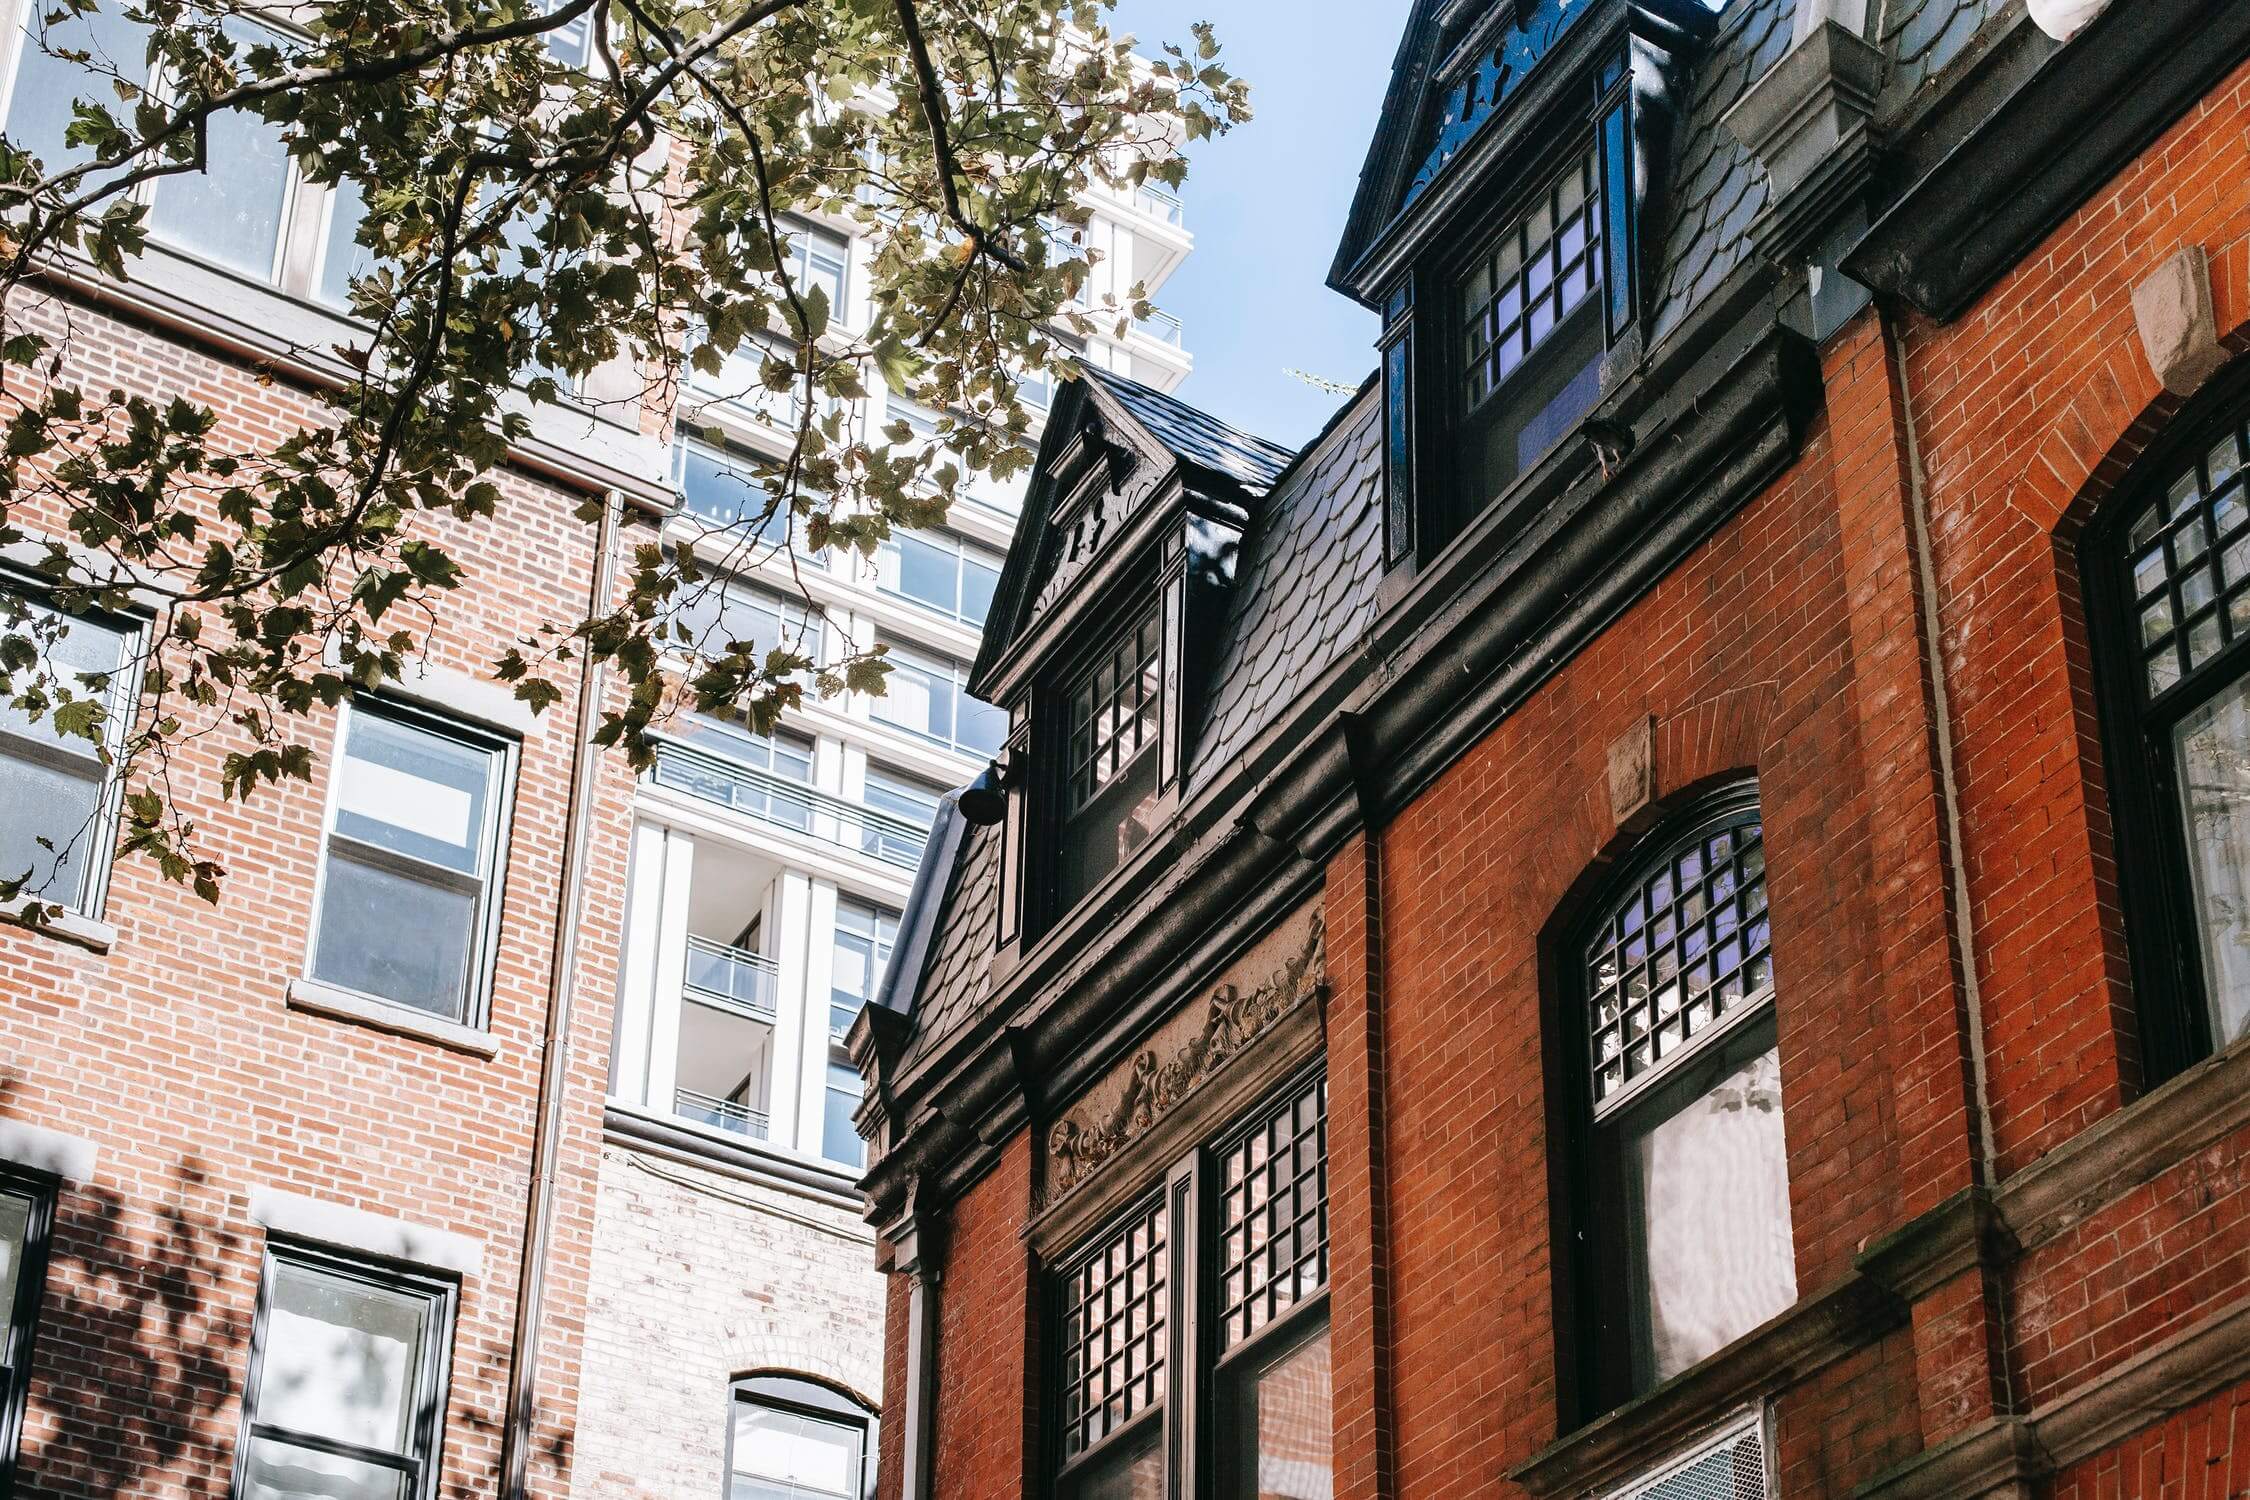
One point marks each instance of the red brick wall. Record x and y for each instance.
(176, 1054)
(1942, 1022)
(985, 1438)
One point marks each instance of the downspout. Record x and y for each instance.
(1925, 578)
(554, 1052)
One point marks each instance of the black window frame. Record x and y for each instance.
(19, 1335)
(124, 707)
(804, 1395)
(1203, 1369)
(1599, 1312)
(432, 1380)
(2164, 946)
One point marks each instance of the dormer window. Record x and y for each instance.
(1115, 721)
(1532, 338)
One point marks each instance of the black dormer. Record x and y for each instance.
(1112, 600)
(1504, 227)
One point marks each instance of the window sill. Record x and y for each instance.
(1636, 1437)
(343, 1005)
(74, 928)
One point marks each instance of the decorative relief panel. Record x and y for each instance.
(1282, 974)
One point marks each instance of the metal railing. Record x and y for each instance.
(1161, 326)
(719, 1114)
(787, 804)
(731, 977)
(1158, 204)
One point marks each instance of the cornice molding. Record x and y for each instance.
(1500, 614)
(2084, 113)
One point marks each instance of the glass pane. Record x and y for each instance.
(984, 729)
(1279, 1443)
(342, 257)
(2212, 747)
(915, 700)
(725, 494)
(839, 1138)
(283, 1471)
(925, 572)
(15, 1231)
(1134, 1470)
(47, 794)
(83, 647)
(978, 583)
(231, 211)
(340, 1359)
(39, 106)
(388, 934)
(781, 1454)
(413, 791)
(1710, 1185)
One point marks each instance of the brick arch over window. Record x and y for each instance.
(799, 1358)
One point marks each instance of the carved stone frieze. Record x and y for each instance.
(1282, 973)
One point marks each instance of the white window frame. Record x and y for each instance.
(476, 1003)
(124, 708)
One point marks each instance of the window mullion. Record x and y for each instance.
(1184, 1439)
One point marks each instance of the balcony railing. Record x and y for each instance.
(1161, 326)
(787, 804)
(719, 1114)
(1158, 204)
(734, 978)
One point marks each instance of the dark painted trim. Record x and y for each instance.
(2087, 111)
(1496, 617)
(1810, 1336)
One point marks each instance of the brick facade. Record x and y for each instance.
(176, 1055)
(1955, 1010)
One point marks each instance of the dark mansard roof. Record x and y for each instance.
(1304, 599)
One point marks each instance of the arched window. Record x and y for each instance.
(1682, 1224)
(2168, 582)
(796, 1439)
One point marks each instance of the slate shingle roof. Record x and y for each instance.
(957, 974)
(1720, 186)
(1305, 585)
(1196, 436)
(1922, 36)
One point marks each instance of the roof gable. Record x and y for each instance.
(1110, 446)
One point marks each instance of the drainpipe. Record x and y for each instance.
(554, 1052)
(1933, 652)
(914, 1253)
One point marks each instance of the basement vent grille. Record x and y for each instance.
(1730, 1465)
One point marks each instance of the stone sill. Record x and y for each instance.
(66, 926)
(343, 1005)
(1638, 1436)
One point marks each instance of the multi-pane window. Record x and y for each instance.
(2176, 665)
(724, 489)
(1114, 710)
(860, 952)
(27, 1206)
(1680, 955)
(1115, 1357)
(1684, 1202)
(409, 881)
(1113, 720)
(794, 1440)
(720, 615)
(905, 812)
(1533, 277)
(347, 1381)
(945, 574)
(1531, 331)
(230, 212)
(929, 696)
(57, 803)
(818, 258)
(1135, 1346)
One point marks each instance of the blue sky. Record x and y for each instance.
(1266, 204)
